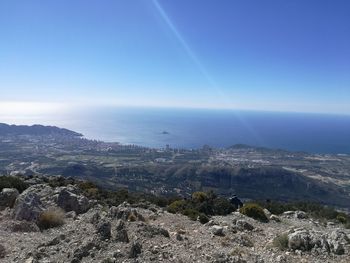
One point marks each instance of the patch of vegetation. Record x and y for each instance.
(201, 206)
(53, 217)
(342, 218)
(203, 218)
(177, 206)
(281, 241)
(132, 217)
(193, 214)
(199, 197)
(314, 210)
(253, 210)
(115, 198)
(12, 182)
(61, 181)
(221, 206)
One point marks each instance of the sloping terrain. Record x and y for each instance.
(12, 130)
(147, 233)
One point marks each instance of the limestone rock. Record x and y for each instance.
(125, 212)
(70, 201)
(135, 250)
(267, 213)
(2, 251)
(152, 231)
(300, 214)
(244, 225)
(104, 230)
(305, 240)
(23, 226)
(225, 258)
(95, 218)
(122, 211)
(288, 213)
(299, 240)
(275, 218)
(120, 225)
(27, 207)
(217, 230)
(30, 260)
(179, 237)
(122, 236)
(71, 214)
(45, 193)
(121, 233)
(83, 251)
(8, 197)
(337, 240)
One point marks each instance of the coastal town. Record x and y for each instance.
(167, 171)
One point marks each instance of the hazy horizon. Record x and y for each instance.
(193, 128)
(265, 56)
(29, 113)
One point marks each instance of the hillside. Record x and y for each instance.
(13, 130)
(53, 220)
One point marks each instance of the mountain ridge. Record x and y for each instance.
(36, 129)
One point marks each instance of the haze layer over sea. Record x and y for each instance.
(193, 128)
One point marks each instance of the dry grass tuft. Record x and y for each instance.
(52, 217)
(132, 217)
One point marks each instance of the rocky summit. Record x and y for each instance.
(58, 223)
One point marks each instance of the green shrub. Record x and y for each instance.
(203, 218)
(191, 213)
(222, 206)
(254, 211)
(12, 182)
(341, 217)
(281, 241)
(53, 217)
(92, 192)
(202, 204)
(85, 185)
(177, 206)
(199, 197)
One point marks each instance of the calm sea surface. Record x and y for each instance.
(186, 128)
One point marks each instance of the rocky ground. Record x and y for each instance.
(95, 233)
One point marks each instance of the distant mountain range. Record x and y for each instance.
(6, 129)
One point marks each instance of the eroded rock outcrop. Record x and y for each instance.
(8, 197)
(306, 240)
(104, 229)
(70, 201)
(121, 232)
(28, 206)
(135, 250)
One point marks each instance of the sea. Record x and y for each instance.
(194, 128)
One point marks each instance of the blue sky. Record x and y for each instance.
(241, 54)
